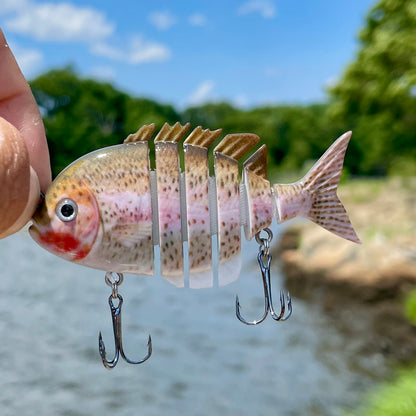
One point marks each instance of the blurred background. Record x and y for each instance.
(298, 74)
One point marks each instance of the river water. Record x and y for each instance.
(204, 361)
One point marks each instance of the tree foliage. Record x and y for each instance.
(81, 115)
(376, 95)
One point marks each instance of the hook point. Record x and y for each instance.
(101, 345)
(149, 344)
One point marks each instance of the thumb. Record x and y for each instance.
(18, 180)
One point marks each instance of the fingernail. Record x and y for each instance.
(30, 208)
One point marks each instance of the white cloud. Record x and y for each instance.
(138, 51)
(202, 93)
(197, 19)
(12, 5)
(67, 22)
(60, 22)
(162, 20)
(266, 8)
(142, 51)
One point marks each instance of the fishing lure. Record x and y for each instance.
(108, 209)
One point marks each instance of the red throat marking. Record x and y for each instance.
(66, 243)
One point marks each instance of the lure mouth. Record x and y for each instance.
(41, 199)
(34, 232)
(38, 232)
(37, 235)
(60, 243)
(41, 224)
(40, 221)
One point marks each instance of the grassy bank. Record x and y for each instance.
(380, 273)
(382, 210)
(394, 398)
(383, 214)
(390, 222)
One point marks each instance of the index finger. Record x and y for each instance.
(18, 106)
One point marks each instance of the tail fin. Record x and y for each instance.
(315, 196)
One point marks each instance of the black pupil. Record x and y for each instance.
(67, 210)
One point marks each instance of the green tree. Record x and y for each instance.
(81, 115)
(293, 134)
(376, 95)
(139, 111)
(212, 115)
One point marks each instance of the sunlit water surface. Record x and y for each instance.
(204, 361)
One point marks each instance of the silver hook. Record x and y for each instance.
(116, 318)
(264, 252)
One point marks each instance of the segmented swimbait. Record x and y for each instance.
(108, 209)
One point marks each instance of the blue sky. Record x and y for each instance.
(248, 52)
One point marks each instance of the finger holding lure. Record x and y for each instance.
(108, 209)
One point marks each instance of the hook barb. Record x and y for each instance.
(283, 299)
(241, 319)
(118, 340)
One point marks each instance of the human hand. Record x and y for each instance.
(24, 156)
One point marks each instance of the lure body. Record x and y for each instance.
(108, 209)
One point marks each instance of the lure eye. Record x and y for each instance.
(66, 210)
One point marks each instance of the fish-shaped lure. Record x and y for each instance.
(109, 209)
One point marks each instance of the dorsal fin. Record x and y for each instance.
(173, 133)
(202, 138)
(236, 145)
(257, 162)
(142, 135)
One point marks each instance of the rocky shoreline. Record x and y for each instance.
(370, 275)
(361, 282)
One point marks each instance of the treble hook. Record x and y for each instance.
(118, 340)
(265, 272)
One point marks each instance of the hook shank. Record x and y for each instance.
(117, 331)
(264, 252)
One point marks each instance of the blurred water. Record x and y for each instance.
(204, 361)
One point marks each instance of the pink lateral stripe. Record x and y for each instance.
(259, 203)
